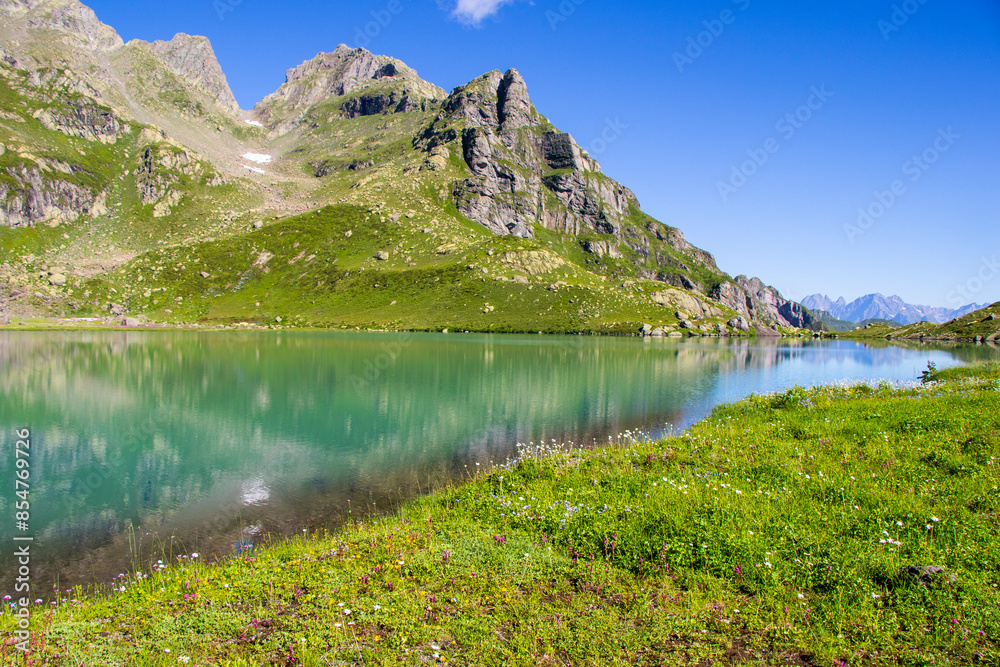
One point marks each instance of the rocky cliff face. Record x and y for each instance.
(78, 24)
(83, 119)
(762, 304)
(193, 59)
(35, 195)
(524, 172)
(370, 85)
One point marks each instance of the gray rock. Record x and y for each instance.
(740, 324)
(602, 249)
(687, 324)
(928, 574)
(658, 332)
(992, 317)
(346, 73)
(57, 280)
(206, 274)
(521, 179)
(131, 322)
(757, 302)
(34, 198)
(381, 255)
(193, 60)
(647, 329)
(116, 309)
(72, 18)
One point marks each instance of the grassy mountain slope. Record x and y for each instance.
(121, 162)
(982, 325)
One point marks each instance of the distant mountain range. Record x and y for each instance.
(878, 307)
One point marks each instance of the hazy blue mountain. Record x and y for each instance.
(876, 306)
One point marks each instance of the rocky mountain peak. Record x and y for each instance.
(193, 59)
(877, 306)
(350, 68)
(522, 178)
(78, 21)
(10, 8)
(513, 104)
(376, 83)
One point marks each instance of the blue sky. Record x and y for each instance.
(763, 130)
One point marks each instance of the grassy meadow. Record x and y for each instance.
(777, 531)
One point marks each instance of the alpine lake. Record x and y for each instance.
(149, 446)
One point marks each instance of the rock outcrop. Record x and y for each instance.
(7, 59)
(83, 119)
(160, 168)
(762, 304)
(524, 172)
(34, 197)
(193, 59)
(373, 84)
(76, 21)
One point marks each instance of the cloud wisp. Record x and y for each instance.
(472, 12)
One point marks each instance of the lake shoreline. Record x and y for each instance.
(475, 574)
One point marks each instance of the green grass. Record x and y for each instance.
(426, 285)
(773, 532)
(322, 272)
(967, 327)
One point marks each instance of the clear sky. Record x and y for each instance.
(758, 128)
